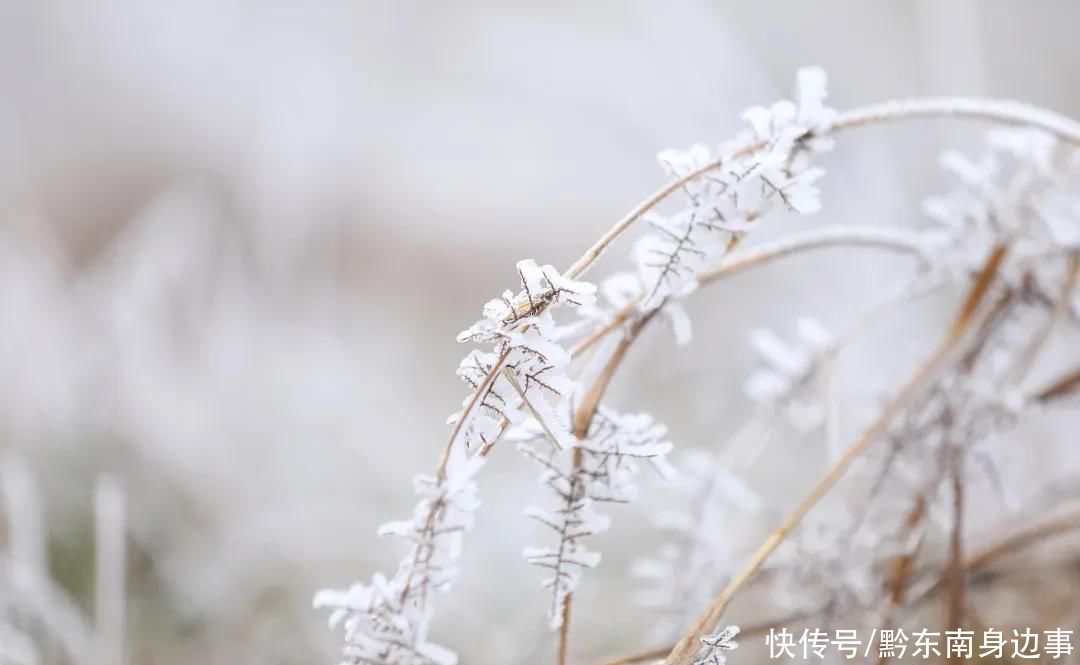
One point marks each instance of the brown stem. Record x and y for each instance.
(621, 317)
(834, 236)
(1025, 538)
(1061, 307)
(905, 563)
(892, 240)
(1064, 386)
(1014, 543)
(594, 252)
(562, 654)
(956, 575)
(583, 417)
(687, 647)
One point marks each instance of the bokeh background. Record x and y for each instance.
(237, 240)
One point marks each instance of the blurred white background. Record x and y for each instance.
(238, 239)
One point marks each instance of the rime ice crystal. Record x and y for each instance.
(713, 646)
(610, 457)
(386, 621)
(767, 163)
(523, 333)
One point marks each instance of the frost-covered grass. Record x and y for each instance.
(917, 507)
(1007, 234)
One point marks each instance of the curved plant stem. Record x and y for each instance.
(1025, 538)
(890, 239)
(687, 647)
(1004, 111)
(621, 317)
(593, 253)
(992, 110)
(1066, 385)
(591, 401)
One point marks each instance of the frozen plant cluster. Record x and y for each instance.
(1023, 188)
(1007, 238)
(387, 620)
(524, 337)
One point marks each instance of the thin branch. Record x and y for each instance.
(1031, 352)
(687, 647)
(1025, 538)
(890, 239)
(591, 401)
(621, 317)
(1014, 543)
(904, 564)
